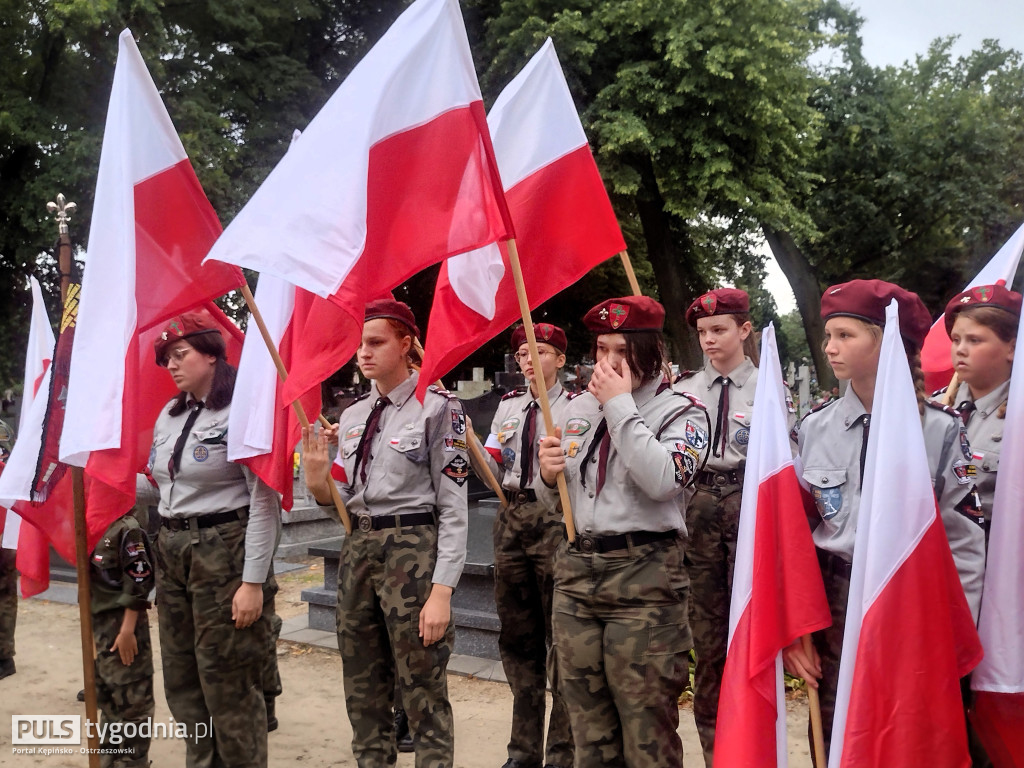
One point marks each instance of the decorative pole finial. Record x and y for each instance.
(62, 211)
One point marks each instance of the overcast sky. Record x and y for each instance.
(896, 31)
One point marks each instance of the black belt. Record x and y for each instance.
(833, 565)
(201, 521)
(522, 497)
(719, 479)
(604, 544)
(367, 523)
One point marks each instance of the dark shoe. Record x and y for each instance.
(403, 738)
(271, 715)
(513, 763)
(81, 695)
(6, 668)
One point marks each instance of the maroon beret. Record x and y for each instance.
(721, 301)
(391, 309)
(630, 313)
(546, 332)
(867, 300)
(181, 327)
(998, 296)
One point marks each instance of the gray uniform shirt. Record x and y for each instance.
(985, 431)
(418, 464)
(658, 439)
(705, 385)
(208, 483)
(506, 435)
(830, 441)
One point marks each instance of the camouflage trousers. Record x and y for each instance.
(212, 671)
(272, 687)
(8, 601)
(712, 524)
(829, 642)
(622, 637)
(124, 694)
(525, 539)
(383, 582)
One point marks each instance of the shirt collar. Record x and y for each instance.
(737, 376)
(553, 394)
(400, 395)
(646, 392)
(851, 408)
(987, 404)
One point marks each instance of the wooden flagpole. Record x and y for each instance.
(62, 211)
(630, 274)
(282, 372)
(817, 733)
(472, 441)
(950, 397)
(545, 405)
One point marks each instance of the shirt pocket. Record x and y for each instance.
(828, 487)
(406, 453)
(740, 428)
(575, 449)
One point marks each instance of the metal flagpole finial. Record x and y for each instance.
(62, 211)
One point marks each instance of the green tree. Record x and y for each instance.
(698, 114)
(921, 170)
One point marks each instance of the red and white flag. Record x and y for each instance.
(565, 224)
(909, 633)
(998, 715)
(936, 361)
(33, 558)
(151, 227)
(394, 174)
(263, 429)
(778, 594)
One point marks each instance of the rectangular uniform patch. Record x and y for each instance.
(458, 422)
(452, 443)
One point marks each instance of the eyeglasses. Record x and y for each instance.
(177, 355)
(521, 356)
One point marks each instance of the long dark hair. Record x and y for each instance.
(223, 385)
(645, 355)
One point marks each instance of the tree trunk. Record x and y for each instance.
(668, 254)
(800, 273)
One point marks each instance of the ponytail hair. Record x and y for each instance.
(917, 373)
(751, 348)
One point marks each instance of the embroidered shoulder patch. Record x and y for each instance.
(577, 426)
(458, 470)
(355, 431)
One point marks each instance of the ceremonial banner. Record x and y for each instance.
(909, 633)
(394, 174)
(999, 679)
(777, 595)
(565, 225)
(936, 361)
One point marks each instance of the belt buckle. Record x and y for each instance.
(365, 523)
(521, 497)
(585, 544)
(721, 479)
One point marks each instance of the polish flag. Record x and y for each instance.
(998, 715)
(909, 632)
(565, 225)
(394, 174)
(33, 558)
(778, 595)
(936, 360)
(263, 429)
(151, 227)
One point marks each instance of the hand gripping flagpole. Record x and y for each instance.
(472, 441)
(545, 405)
(62, 211)
(282, 372)
(817, 732)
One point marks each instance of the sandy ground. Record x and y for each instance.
(313, 727)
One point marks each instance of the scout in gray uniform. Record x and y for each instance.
(833, 446)
(120, 579)
(218, 526)
(526, 534)
(982, 323)
(628, 448)
(726, 385)
(402, 471)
